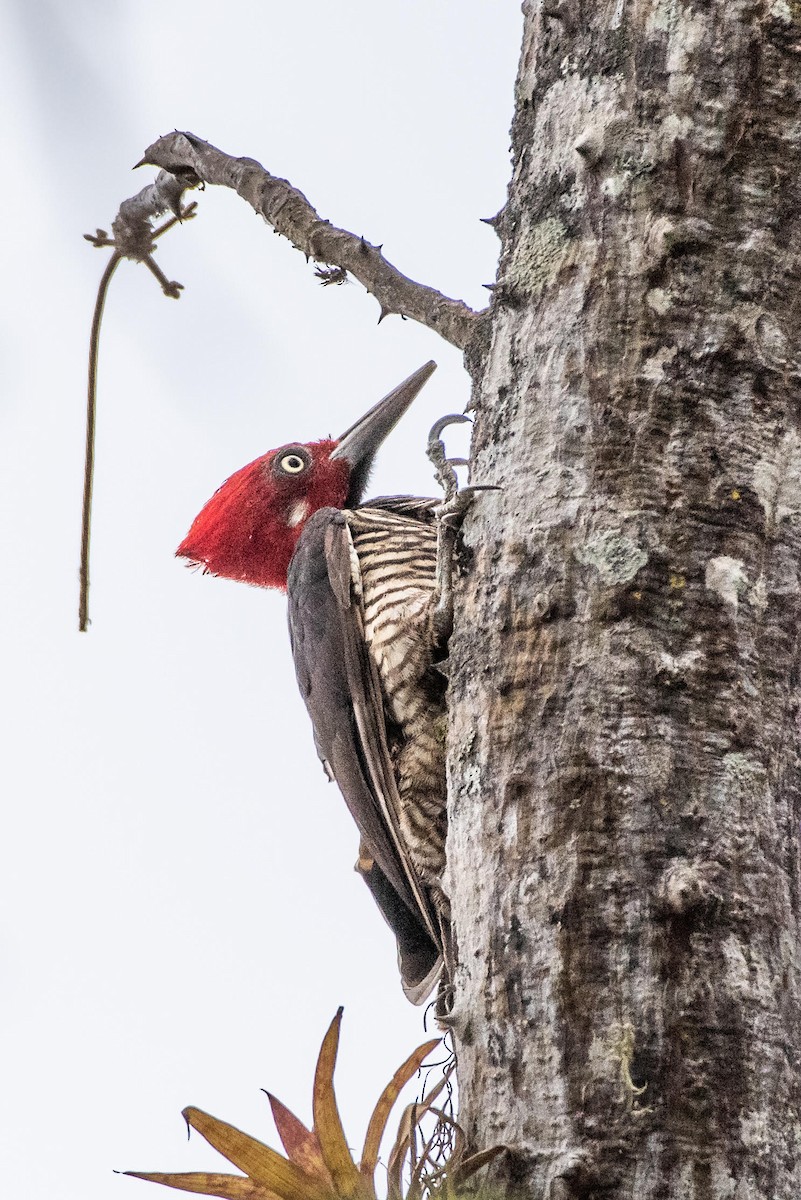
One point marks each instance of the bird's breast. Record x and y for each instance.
(396, 559)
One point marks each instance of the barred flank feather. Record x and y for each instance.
(397, 557)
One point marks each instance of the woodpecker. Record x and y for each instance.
(369, 608)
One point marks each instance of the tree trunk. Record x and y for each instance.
(624, 759)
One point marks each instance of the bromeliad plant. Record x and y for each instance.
(318, 1163)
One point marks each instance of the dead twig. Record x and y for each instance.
(133, 238)
(191, 160)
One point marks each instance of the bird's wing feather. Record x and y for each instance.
(421, 508)
(341, 688)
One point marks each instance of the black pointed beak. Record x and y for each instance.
(358, 445)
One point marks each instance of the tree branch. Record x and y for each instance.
(191, 161)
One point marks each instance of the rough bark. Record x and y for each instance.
(624, 759)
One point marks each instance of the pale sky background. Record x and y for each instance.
(180, 918)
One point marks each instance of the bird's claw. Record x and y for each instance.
(451, 512)
(443, 423)
(449, 516)
(444, 466)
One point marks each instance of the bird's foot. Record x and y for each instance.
(443, 466)
(449, 516)
(451, 512)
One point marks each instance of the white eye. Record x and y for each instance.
(293, 464)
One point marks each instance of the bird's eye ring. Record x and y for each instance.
(292, 462)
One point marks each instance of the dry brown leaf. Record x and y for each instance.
(386, 1102)
(208, 1183)
(348, 1182)
(474, 1162)
(263, 1165)
(301, 1144)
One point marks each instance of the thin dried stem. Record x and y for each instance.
(133, 238)
(89, 458)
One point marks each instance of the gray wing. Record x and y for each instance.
(342, 692)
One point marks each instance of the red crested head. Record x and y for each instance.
(248, 530)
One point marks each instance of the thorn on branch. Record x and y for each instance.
(503, 293)
(187, 214)
(589, 146)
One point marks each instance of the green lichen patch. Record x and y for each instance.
(537, 256)
(616, 558)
